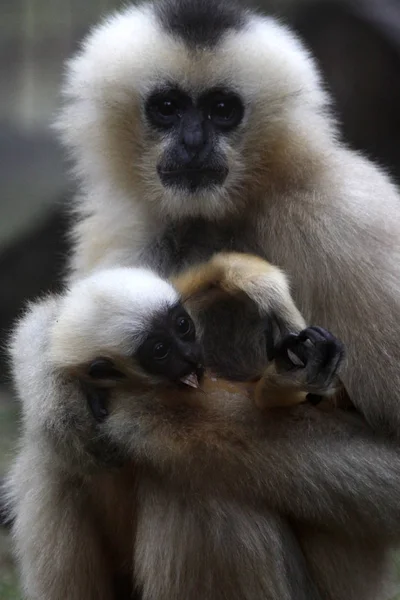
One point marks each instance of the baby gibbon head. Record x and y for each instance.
(126, 324)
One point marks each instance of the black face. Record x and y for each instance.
(171, 349)
(192, 161)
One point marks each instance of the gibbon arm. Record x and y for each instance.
(243, 275)
(57, 542)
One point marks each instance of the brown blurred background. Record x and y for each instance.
(357, 44)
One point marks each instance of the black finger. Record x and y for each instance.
(314, 334)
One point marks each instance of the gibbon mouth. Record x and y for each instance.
(189, 171)
(194, 378)
(193, 179)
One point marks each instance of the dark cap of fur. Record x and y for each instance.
(200, 22)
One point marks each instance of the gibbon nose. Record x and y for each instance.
(191, 354)
(193, 134)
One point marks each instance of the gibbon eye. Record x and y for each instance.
(164, 109)
(167, 108)
(226, 112)
(161, 350)
(223, 110)
(184, 326)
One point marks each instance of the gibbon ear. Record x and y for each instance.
(97, 380)
(97, 399)
(103, 370)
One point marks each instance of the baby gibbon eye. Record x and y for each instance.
(161, 350)
(184, 326)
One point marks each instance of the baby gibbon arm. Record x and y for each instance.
(325, 468)
(255, 280)
(243, 275)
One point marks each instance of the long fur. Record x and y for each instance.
(295, 194)
(209, 490)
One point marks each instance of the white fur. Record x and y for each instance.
(110, 311)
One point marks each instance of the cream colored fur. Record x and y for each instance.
(199, 507)
(323, 213)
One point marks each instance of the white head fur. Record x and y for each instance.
(108, 312)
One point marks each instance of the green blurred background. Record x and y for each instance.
(356, 43)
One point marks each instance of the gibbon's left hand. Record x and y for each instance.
(303, 367)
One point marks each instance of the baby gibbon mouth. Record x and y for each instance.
(192, 380)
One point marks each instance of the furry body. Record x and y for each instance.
(190, 493)
(292, 193)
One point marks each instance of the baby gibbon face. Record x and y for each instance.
(183, 105)
(171, 349)
(127, 324)
(170, 352)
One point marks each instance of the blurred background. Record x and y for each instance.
(357, 44)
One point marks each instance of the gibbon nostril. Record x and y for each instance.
(193, 134)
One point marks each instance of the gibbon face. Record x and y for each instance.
(171, 349)
(146, 335)
(194, 159)
(185, 106)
